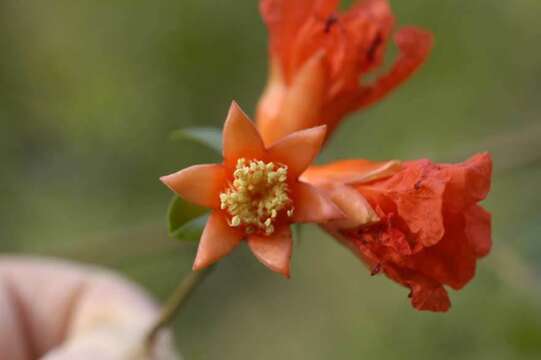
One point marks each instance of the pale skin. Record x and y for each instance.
(57, 310)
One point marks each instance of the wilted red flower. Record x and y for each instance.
(255, 193)
(423, 228)
(319, 56)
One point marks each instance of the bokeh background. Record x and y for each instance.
(90, 91)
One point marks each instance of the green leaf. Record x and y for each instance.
(186, 221)
(192, 230)
(207, 136)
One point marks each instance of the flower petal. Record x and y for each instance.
(415, 45)
(350, 171)
(273, 251)
(469, 182)
(217, 240)
(304, 99)
(353, 205)
(298, 150)
(478, 229)
(451, 261)
(311, 205)
(286, 108)
(270, 103)
(429, 298)
(285, 19)
(418, 192)
(241, 139)
(426, 294)
(199, 184)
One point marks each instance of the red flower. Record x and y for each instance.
(426, 229)
(319, 56)
(254, 194)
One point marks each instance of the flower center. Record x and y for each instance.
(257, 196)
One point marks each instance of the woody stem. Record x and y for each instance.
(174, 303)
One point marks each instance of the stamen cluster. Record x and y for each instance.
(258, 194)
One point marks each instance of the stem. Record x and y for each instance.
(175, 302)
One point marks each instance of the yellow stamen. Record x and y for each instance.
(259, 192)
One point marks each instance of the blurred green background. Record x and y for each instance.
(90, 91)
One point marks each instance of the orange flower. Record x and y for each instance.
(318, 57)
(255, 193)
(419, 222)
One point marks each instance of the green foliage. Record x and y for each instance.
(186, 221)
(207, 136)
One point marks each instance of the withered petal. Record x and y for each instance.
(479, 229)
(414, 45)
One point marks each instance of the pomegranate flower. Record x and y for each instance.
(318, 57)
(255, 193)
(419, 222)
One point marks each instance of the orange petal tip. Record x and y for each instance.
(274, 251)
(198, 184)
